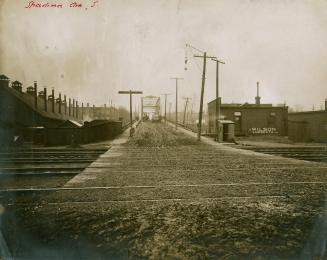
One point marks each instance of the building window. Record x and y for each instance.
(238, 121)
(237, 113)
(272, 119)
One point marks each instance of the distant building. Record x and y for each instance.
(251, 119)
(309, 126)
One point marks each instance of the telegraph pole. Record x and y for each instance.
(166, 94)
(169, 111)
(185, 108)
(202, 90)
(130, 92)
(217, 114)
(141, 108)
(176, 115)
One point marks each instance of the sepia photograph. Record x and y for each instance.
(163, 129)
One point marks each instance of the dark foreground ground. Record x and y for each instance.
(165, 196)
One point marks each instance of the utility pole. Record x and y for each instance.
(191, 114)
(165, 94)
(130, 92)
(185, 108)
(217, 114)
(202, 90)
(176, 115)
(110, 111)
(141, 108)
(169, 111)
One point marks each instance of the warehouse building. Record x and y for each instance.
(251, 119)
(309, 126)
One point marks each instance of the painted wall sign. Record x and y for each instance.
(263, 130)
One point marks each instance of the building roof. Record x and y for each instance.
(46, 114)
(70, 123)
(247, 105)
(308, 112)
(3, 77)
(16, 82)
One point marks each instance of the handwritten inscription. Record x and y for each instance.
(61, 5)
(264, 130)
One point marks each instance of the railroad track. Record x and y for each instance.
(306, 153)
(316, 154)
(43, 167)
(168, 192)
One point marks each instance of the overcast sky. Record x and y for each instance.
(120, 45)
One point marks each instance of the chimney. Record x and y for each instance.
(69, 108)
(53, 101)
(59, 103)
(4, 81)
(76, 108)
(65, 102)
(35, 94)
(45, 100)
(17, 86)
(257, 98)
(73, 107)
(82, 110)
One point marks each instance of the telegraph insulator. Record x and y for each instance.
(185, 68)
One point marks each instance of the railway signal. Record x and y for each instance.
(130, 92)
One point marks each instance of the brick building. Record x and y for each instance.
(251, 119)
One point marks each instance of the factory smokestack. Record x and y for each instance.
(257, 98)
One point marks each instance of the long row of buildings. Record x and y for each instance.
(27, 112)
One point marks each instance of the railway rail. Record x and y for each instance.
(313, 153)
(43, 167)
(306, 153)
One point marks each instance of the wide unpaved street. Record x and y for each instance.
(163, 195)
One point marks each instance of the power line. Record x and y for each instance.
(189, 45)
